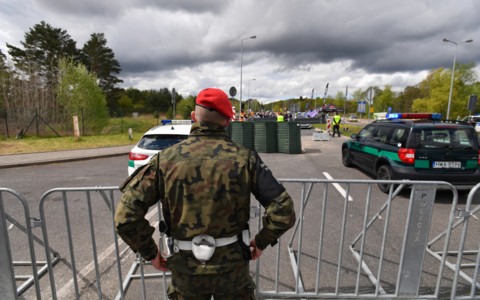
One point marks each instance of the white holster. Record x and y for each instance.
(203, 246)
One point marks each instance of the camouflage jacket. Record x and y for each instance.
(204, 185)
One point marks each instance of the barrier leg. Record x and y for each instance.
(7, 276)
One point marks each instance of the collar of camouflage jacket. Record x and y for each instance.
(205, 128)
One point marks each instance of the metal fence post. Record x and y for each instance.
(8, 287)
(415, 241)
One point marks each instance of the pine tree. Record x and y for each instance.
(100, 60)
(44, 45)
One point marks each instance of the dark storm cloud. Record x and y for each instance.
(299, 43)
(112, 8)
(379, 37)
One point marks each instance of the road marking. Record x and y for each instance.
(67, 289)
(338, 187)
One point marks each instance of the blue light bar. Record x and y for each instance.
(176, 121)
(394, 116)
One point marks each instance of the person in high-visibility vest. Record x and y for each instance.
(279, 117)
(336, 124)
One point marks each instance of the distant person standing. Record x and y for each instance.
(279, 117)
(336, 124)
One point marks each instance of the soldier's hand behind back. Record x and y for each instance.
(159, 263)
(256, 253)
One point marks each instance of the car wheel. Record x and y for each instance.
(384, 173)
(346, 158)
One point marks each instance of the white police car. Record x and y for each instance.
(157, 139)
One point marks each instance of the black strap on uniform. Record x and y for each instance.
(162, 226)
(206, 107)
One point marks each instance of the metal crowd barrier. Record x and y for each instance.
(347, 276)
(374, 247)
(81, 280)
(461, 221)
(9, 288)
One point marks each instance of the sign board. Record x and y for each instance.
(371, 94)
(361, 106)
(472, 102)
(233, 91)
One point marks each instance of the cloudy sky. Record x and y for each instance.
(301, 45)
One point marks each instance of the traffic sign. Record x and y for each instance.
(233, 91)
(361, 106)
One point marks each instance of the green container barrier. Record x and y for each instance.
(242, 133)
(265, 139)
(289, 137)
(229, 130)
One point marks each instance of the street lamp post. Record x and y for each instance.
(453, 70)
(241, 66)
(249, 92)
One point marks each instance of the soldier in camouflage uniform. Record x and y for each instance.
(204, 185)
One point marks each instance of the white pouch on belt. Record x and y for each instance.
(203, 247)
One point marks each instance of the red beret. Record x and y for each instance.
(215, 99)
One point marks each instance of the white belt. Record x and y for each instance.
(187, 245)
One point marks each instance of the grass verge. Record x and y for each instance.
(46, 144)
(111, 136)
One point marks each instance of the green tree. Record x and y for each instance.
(420, 105)
(358, 95)
(277, 107)
(3, 61)
(4, 79)
(112, 101)
(126, 104)
(404, 100)
(100, 59)
(160, 100)
(340, 96)
(435, 91)
(384, 99)
(36, 72)
(44, 45)
(169, 113)
(185, 107)
(139, 106)
(78, 93)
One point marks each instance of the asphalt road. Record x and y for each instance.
(320, 160)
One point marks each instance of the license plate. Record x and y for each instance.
(447, 164)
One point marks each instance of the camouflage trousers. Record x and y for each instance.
(226, 286)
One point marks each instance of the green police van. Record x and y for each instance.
(416, 147)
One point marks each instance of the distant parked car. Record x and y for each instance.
(353, 118)
(472, 119)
